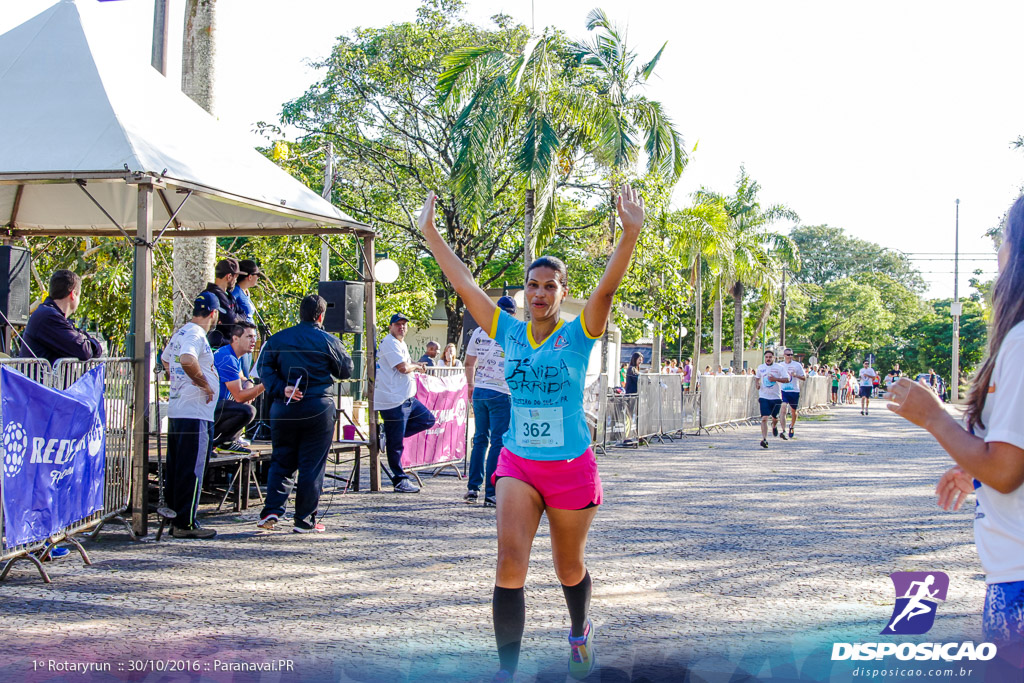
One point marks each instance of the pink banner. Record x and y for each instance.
(446, 441)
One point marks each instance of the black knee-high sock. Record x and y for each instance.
(509, 610)
(577, 598)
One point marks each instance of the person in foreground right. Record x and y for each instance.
(989, 453)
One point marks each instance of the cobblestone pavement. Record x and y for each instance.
(707, 550)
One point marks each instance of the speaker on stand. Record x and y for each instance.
(344, 305)
(15, 269)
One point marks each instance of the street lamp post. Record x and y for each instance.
(956, 310)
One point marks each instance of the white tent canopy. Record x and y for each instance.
(74, 110)
(96, 145)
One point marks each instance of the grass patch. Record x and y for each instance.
(816, 418)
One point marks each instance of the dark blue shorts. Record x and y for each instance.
(770, 406)
(791, 397)
(865, 392)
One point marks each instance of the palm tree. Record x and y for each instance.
(759, 255)
(704, 240)
(617, 114)
(550, 103)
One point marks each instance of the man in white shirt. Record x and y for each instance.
(188, 361)
(492, 407)
(770, 378)
(394, 395)
(867, 375)
(791, 389)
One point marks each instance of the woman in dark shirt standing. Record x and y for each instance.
(633, 372)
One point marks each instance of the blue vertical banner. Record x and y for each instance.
(54, 454)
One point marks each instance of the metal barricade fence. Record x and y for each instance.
(443, 372)
(660, 407)
(620, 423)
(118, 396)
(727, 400)
(40, 371)
(691, 411)
(815, 392)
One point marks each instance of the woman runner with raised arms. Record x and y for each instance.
(547, 465)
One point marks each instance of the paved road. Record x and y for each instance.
(707, 551)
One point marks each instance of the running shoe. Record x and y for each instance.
(764, 443)
(267, 523)
(502, 677)
(862, 412)
(233, 448)
(307, 528)
(791, 432)
(471, 496)
(581, 654)
(490, 502)
(775, 430)
(406, 486)
(782, 435)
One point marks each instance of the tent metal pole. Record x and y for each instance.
(370, 357)
(142, 301)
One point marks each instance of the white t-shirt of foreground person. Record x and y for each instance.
(394, 395)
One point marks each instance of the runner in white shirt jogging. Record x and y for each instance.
(867, 373)
(770, 378)
(989, 453)
(791, 390)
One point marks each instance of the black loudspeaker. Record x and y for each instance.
(15, 264)
(344, 305)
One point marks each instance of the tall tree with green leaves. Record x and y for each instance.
(759, 253)
(377, 101)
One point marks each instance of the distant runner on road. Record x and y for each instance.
(867, 377)
(770, 378)
(791, 389)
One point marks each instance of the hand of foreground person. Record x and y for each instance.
(915, 402)
(426, 217)
(953, 488)
(292, 393)
(630, 206)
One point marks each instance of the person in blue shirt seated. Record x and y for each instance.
(234, 404)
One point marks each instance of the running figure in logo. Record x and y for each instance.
(916, 606)
(546, 466)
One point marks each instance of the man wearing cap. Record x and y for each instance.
(188, 361)
(492, 406)
(51, 333)
(298, 366)
(394, 395)
(226, 273)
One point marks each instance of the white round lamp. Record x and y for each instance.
(386, 271)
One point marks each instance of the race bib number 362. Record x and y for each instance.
(539, 427)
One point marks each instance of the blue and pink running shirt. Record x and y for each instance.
(546, 381)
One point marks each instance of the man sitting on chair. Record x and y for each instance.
(234, 405)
